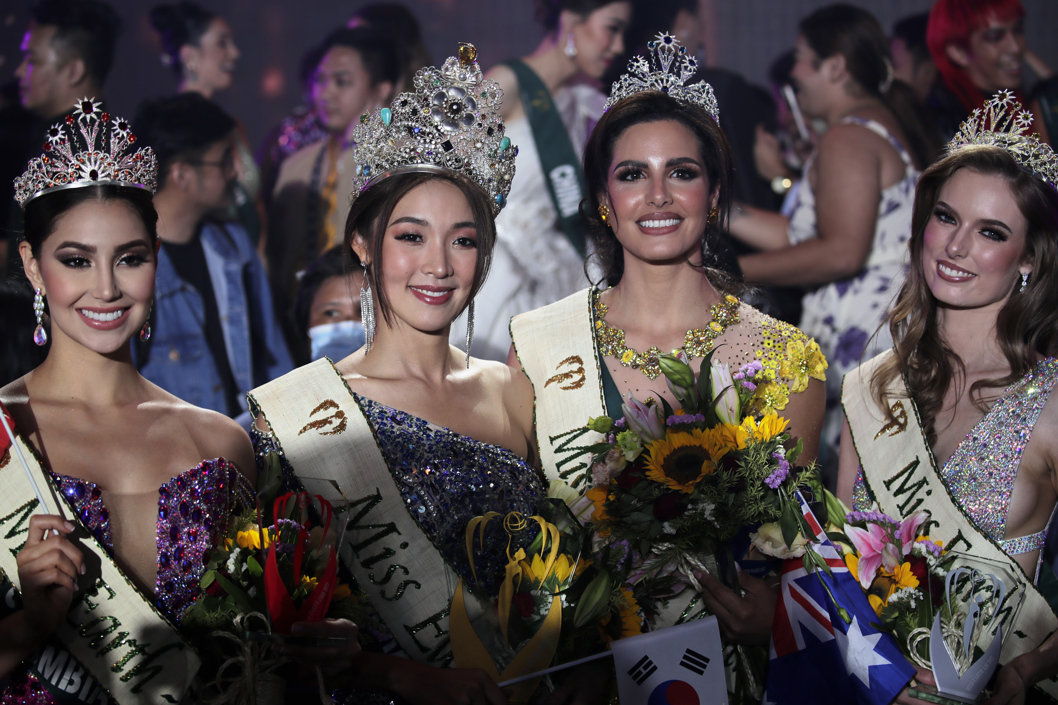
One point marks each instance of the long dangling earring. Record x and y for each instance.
(1024, 281)
(571, 46)
(470, 329)
(40, 336)
(145, 332)
(367, 308)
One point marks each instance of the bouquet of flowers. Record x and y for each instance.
(900, 569)
(672, 488)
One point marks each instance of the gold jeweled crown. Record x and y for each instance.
(669, 76)
(70, 161)
(1003, 123)
(450, 123)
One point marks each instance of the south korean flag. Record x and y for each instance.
(681, 665)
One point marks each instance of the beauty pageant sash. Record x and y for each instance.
(112, 630)
(902, 475)
(332, 449)
(556, 348)
(558, 159)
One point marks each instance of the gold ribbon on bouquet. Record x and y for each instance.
(467, 647)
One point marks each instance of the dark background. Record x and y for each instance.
(742, 35)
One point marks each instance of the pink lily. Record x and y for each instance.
(644, 419)
(875, 551)
(909, 529)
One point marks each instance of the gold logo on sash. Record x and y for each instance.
(899, 422)
(337, 419)
(577, 374)
(541, 101)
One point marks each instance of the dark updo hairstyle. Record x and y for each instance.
(372, 209)
(179, 25)
(41, 215)
(855, 34)
(648, 107)
(548, 11)
(1027, 326)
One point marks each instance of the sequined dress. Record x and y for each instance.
(981, 472)
(193, 509)
(445, 480)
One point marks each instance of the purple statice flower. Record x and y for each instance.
(749, 385)
(679, 419)
(869, 518)
(779, 476)
(748, 371)
(930, 546)
(619, 423)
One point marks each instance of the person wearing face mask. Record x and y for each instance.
(356, 72)
(327, 308)
(198, 46)
(979, 48)
(956, 418)
(550, 107)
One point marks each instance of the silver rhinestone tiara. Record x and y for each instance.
(672, 69)
(450, 123)
(1003, 123)
(88, 147)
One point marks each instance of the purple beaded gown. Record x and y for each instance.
(192, 511)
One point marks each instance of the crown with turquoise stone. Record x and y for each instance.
(451, 123)
(672, 69)
(1003, 123)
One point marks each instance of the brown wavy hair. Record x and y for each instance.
(1028, 323)
(644, 107)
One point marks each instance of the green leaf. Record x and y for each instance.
(253, 566)
(666, 406)
(788, 524)
(207, 579)
(242, 600)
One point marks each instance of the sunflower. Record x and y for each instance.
(598, 495)
(628, 613)
(731, 437)
(681, 459)
(769, 427)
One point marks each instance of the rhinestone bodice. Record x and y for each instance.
(193, 508)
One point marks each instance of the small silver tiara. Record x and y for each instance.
(1003, 123)
(450, 123)
(672, 69)
(98, 152)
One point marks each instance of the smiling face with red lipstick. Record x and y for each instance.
(974, 245)
(659, 194)
(96, 269)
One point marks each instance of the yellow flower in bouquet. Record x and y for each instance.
(628, 613)
(732, 437)
(770, 426)
(535, 571)
(681, 459)
(251, 538)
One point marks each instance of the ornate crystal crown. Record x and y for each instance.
(1003, 123)
(450, 123)
(669, 76)
(70, 161)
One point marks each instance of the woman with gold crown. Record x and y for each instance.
(112, 554)
(412, 437)
(956, 418)
(658, 174)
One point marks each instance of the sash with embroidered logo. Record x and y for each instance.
(332, 449)
(556, 348)
(902, 475)
(112, 631)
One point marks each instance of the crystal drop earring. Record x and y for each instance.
(367, 308)
(571, 47)
(1024, 281)
(40, 336)
(470, 329)
(145, 332)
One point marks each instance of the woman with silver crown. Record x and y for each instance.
(956, 418)
(658, 173)
(410, 435)
(128, 486)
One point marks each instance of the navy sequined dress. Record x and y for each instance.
(193, 509)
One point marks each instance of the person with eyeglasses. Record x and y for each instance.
(214, 332)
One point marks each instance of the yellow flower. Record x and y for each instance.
(533, 571)
(877, 603)
(308, 582)
(251, 538)
(802, 362)
(853, 563)
(770, 426)
(732, 438)
(597, 495)
(628, 612)
(681, 459)
(770, 396)
(228, 543)
(903, 578)
(342, 591)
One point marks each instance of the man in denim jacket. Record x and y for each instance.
(214, 333)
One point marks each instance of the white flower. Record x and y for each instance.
(614, 462)
(724, 387)
(233, 561)
(252, 592)
(668, 528)
(769, 541)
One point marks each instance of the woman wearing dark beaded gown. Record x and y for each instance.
(112, 450)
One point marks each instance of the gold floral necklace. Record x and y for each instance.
(696, 343)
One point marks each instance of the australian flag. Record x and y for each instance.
(823, 646)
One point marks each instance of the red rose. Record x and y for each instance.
(524, 603)
(920, 569)
(669, 506)
(629, 478)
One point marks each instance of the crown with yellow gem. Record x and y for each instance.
(1003, 123)
(450, 123)
(88, 148)
(672, 69)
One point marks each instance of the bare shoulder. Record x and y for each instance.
(213, 434)
(511, 387)
(844, 139)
